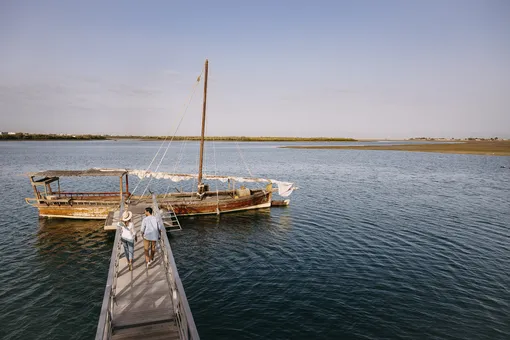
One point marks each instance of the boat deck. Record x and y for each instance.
(143, 304)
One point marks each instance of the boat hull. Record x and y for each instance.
(97, 212)
(280, 203)
(258, 200)
(210, 204)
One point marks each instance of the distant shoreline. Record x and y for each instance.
(492, 148)
(41, 137)
(254, 139)
(48, 137)
(69, 137)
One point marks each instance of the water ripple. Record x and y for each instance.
(374, 245)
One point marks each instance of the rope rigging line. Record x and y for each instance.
(242, 157)
(176, 129)
(140, 181)
(215, 174)
(166, 137)
(194, 184)
(179, 157)
(177, 163)
(215, 167)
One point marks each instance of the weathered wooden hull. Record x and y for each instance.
(258, 200)
(96, 212)
(280, 203)
(181, 206)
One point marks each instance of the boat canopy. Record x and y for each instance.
(80, 173)
(284, 188)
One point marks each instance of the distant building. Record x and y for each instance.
(3, 133)
(11, 133)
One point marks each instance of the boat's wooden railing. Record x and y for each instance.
(104, 325)
(85, 198)
(183, 316)
(32, 200)
(110, 203)
(89, 194)
(35, 201)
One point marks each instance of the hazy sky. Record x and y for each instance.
(277, 68)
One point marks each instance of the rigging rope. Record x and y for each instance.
(195, 179)
(242, 157)
(215, 174)
(166, 137)
(177, 163)
(137, 184)
(176, 129)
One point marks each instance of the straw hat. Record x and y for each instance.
(126, 216)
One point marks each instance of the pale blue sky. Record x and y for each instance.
(383, 69)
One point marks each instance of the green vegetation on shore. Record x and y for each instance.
(37, 136)
(257, 139)
(29, 136)
(496, 148)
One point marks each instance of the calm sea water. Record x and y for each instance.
(375, 245)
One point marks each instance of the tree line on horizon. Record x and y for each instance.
(30, 136)
(42, 136)
(454, 139)
(38, 136)
(257, 139)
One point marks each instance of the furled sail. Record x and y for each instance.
(284, 188)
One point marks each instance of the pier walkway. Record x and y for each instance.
(145, 303)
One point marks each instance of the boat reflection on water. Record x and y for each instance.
(62, 242)
(67, 274)
(285, 220)
(243, 222)
(212, 233)
(68, 230)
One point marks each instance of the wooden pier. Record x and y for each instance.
(148, 303)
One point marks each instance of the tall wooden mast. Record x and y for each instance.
(200, 184)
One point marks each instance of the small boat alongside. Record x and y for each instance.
(280, 203)
(52, 201)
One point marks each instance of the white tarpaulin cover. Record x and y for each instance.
(284, 188)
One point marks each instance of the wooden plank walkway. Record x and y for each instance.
(143, 305)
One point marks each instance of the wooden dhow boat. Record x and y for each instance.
(51, 201)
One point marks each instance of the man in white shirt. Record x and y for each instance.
(150, 231)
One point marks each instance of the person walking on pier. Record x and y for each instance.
(128, 237)
(150, 231)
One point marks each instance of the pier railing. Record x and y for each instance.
(183, 316)
(104, 325)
